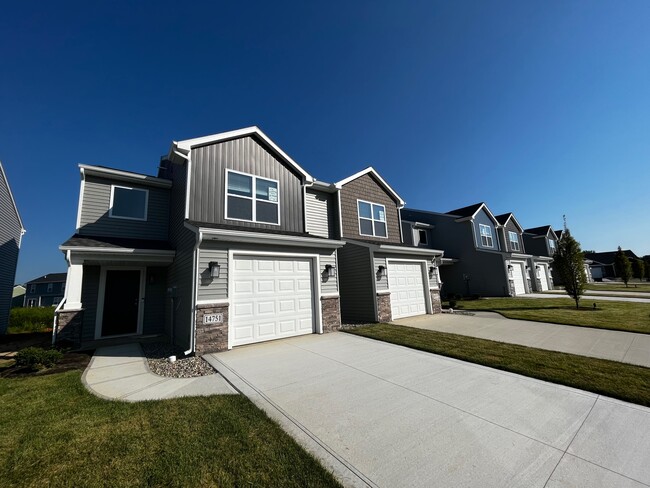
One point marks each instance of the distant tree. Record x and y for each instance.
(646, 260)
(568, 262)
(638, 268)
(623, 266)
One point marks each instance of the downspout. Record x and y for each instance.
(195, 267)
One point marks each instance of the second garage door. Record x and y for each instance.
(406, 289)
(271, 298)
(518, 278)
(543, 277)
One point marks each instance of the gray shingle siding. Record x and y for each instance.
(10, 232)
(355, 282)
(95, 220)
(511, 227)
(483, 218)
(208, 183)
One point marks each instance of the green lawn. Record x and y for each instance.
(627, 316)
(610, 378)
(54, 433)
(635, 286)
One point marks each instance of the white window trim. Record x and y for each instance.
(487, 236)
(422, 232)
(372, 219)
(146, 203)
(253, 198)
(552, 248)
(514, 243)
(99, 317)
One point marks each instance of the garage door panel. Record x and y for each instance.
(265, 286)
(518, 278)
(407, 289)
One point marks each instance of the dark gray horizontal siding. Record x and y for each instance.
(96, 204)
(155, 301)
(355, 275)
(10, 229)
(208, 182)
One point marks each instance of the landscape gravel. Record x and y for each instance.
(157, 354)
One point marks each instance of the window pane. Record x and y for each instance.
(378, 213)
(365, 210)
(240, 185)
(380, 229)
(129, 203)
(266, 190)
(267, 212)
(366, 227)
(240, 208)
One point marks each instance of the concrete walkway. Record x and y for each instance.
(378, 414)
(122, 373)
(626, 347)
(588, 297)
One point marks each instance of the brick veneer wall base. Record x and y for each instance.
(331, 310)
(69, 325)
(384, 313)
(436, 302)
(211, 337)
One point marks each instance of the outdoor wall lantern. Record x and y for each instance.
(330, 271)
(381, 272)
(432, 271)
(537, 267)
(215, 269)
(510, 268)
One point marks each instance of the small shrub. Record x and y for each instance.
(37, 358)
(30, 319)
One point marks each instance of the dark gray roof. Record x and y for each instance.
(539, 231)
(249, 229)
(503, 218)
(466, 211)
(49, 278)
(115, 242)
(558, 233)
(608, 257)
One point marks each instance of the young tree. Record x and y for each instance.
(646, 260)
(638, 268)
(623, 266)
(568, 262)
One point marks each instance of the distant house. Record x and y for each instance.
(11, 233)
(46, 291)
(603, 266)
(18, 296)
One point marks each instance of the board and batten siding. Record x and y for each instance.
(320, 218)
(10, 230)
(217, 288)
(355, 284)
(247, 155)
(95, 221)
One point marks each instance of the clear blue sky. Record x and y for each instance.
(540, 108)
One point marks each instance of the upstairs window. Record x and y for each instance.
(128, 203)
(32, 288)
(486, 235)
(50, 287)
(514, 241)
(551, 246)
(422, 237)
(252, 199)
(372, 219)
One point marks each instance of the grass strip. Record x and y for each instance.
(54, 433)
(610, 378)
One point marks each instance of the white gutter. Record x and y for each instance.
(120, 250)
(195, 291)
(126, 176)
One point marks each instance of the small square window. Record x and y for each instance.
(128, 203)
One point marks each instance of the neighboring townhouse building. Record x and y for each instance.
(587, 265)
(488, 253)
(381, 277)
(18, 296)
(541, 242)
(603, 264)
(229, 244)
(45, 291)
(11, 234)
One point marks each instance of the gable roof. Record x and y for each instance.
(503, 220)
(382, 182)
(188, 144)
(558, 233)
(469, 212)
(541, 231)
(49, 278)
(11, 196)
(608, 257)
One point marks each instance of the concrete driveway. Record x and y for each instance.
(626, 347)
(384, 415)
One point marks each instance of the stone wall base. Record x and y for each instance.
(331, 312)
(384, 313)
(69, 325)
(211, 337)
(436, 302)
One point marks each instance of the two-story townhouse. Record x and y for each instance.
(218, 250)
(487, 252)
(45, 291)
(382, 278)
(11, 234)
(541, 242)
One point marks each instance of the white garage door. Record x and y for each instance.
(518, 278)
(406, 289)
(543, 277)
(272, 298)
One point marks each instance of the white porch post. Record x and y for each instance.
(73, 284)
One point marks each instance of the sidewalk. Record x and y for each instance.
(122, 373)
(625, 347)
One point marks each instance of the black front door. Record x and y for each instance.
(121, 300)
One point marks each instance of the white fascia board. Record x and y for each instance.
(116, 174)
(490, 214)
(542, 258)
(517, 255)
(188, 144)
(323, 186)
(13, 201)
(514, 219)
(387, 248)
(370, 169)
(262, 238)
(448, 261)
(119, 250)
